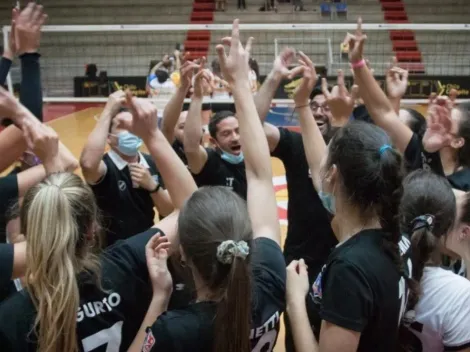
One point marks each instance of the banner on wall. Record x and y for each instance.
(419, 87)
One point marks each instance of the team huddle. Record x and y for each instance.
(377, 250)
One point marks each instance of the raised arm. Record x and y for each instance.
(178, 181)
(261, 198)
(175, 105)
(93, 167)
(9, 51)
(377, 103)
(195, 152)
(396, 84)
(312, 138)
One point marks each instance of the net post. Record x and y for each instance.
(6, 43)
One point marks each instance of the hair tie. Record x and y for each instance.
(383, 148)
(422, 221)
(229, 249)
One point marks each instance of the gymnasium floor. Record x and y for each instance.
(74, 122)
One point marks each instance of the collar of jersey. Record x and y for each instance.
(121, 163)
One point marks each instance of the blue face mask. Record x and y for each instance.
(328, 201)
(232, 158)
(128, 144)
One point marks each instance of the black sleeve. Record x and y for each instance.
(6, 264)
(130, 253)
(347, 297)
(154, 170)
(31, 90)
(206, 175)
(413, 158)
(284, 148)
(108, 180)
(8, 192)
(5, 65)
(158, 338)
(269, 269)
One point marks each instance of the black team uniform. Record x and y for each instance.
(309, 234)
(191, 329)
(112, 316)
(218, 172)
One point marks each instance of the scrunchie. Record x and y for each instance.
(230, 249)
(422, 221)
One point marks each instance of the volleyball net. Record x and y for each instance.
(436, 55)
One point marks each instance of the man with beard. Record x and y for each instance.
(224, 165)
(309, 234)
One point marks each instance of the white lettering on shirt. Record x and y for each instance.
(263, 329)
(91, 309)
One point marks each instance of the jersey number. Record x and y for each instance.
(266, 342)
(110, 337)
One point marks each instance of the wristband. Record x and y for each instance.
(358, 64)
(302, 106)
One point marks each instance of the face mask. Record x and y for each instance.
(328, 201)
(232, 158)
(128, 144)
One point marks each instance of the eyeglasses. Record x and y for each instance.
(324, 107)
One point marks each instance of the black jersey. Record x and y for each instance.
(359, 289)
(417, 158)
(191, 329)
(309, 233)
(218, 172)
(107, 320)
(8, 196)
(125, 210)
(6, 264)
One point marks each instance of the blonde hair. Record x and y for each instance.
(56, 217)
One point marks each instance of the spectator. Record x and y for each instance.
(241, 3)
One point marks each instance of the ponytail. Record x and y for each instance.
(56, 217)
(233, 320)
(391, 194)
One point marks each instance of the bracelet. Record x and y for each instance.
(359, 64)
(302, 106)
(157, 188)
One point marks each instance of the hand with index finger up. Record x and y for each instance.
(234, 66)
(339, 100)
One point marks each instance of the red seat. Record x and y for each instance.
(202, 17)
(393, 6)
(413, 67)
(408, 56)
(402, 35)
(395, 15)
(405, 45)
(198, 35)
(204, 6)
(190, 45)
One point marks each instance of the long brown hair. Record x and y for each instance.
(211, 216)
(57, 216)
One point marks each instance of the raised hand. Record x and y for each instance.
(396, 81)
(202, 80)
(186, 73)
(282, 63)
(115, 101)
(297, 284)
(144, 122)
(356, 43)
(439, 124)
(340, 101)
(28, 28)
(309, 79)
(235, 66)
(12, 48)
(156, 252)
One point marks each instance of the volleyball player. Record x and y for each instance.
(224, 165)
(355, 302)
(439, 319)
(445, 146)
(220, 235)
(78, 301)
(124, 180)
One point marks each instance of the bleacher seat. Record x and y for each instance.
(325, 10)
(342, 10)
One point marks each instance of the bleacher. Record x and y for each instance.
(128, 53)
